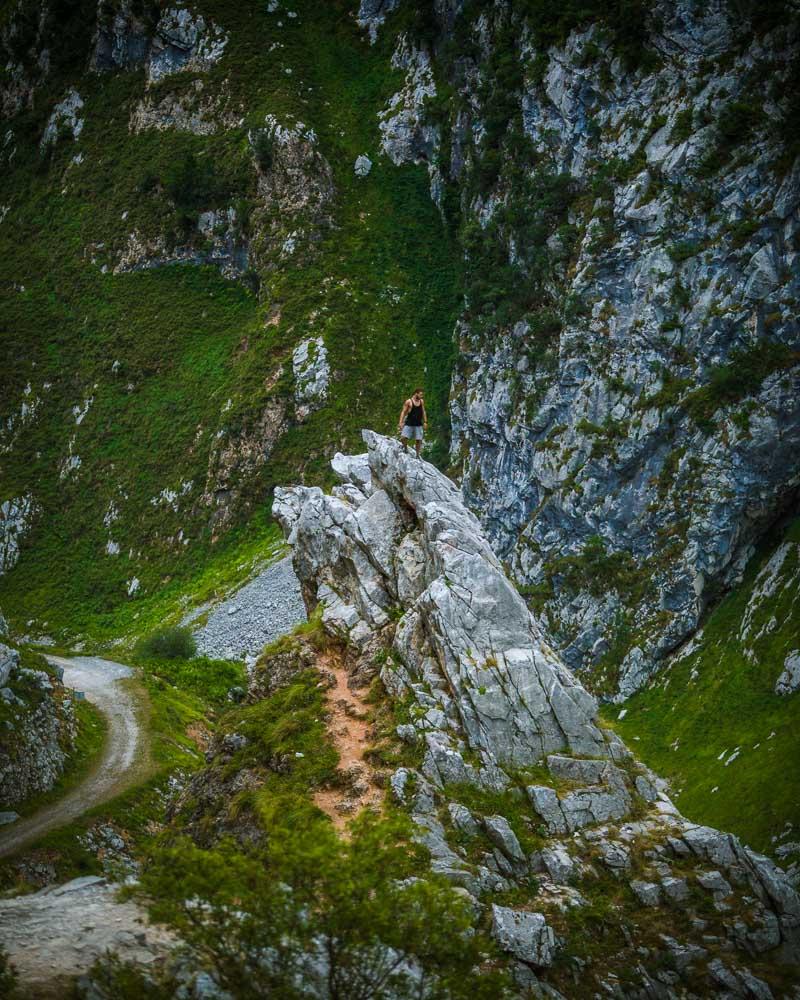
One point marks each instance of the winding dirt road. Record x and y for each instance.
(120, 764)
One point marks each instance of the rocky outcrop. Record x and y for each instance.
(518, 784)
(311, 376)
(37, 728)
(180, 40)
(16, 515)
(627, 383)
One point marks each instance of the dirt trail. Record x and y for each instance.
(121, 763)
(350, 730)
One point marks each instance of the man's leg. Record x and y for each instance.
(403, 443)
(418, 445)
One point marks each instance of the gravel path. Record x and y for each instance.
(118, 766)
(261, 611)
(58, 933)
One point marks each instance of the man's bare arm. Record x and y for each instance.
(424, 414)
(403, 412)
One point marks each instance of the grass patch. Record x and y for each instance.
(690, 720)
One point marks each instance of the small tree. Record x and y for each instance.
(168, 644)
(318, 916)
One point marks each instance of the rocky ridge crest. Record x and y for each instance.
(409, 582)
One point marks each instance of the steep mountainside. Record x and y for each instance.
(200, 293)
(519, 794)
(626, 400)
(723, 721)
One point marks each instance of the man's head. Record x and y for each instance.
(417, 394)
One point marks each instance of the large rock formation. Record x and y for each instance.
(626, 394)
(408, 581)
(37, 727)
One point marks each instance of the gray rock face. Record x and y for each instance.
(372, 14)
(789, 680)
(512, 696)
(407, 579)
(9, 660)
(525, 935)
(16, 515)
(181, 40)
(670, 278)
(311, 376)
(38, 733)
(362, 166)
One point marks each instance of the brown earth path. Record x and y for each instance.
(350, 730)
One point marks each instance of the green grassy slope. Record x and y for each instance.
(196, 356)
(693, 717)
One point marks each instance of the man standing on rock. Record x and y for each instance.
(412, 420)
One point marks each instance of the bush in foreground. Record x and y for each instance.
(168, 644)
(313, 915)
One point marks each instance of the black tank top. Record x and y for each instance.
(414, 418)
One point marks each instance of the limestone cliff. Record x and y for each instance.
(625, 401)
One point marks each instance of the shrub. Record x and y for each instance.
(684, 249)
(168, 644)
(683, 126)
(313, 914)
(8, 978)
(741, 377)
(193, 184)
(263, 145)
(735, 124)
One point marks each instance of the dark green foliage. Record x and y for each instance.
(500, 97)
(684, 249)
(193, 183)
(263, 149)
(598, 571)
(626, 20)
(734, 125)
(741, 377)
(168, 644)
(309, 892)
(763, 15)
(683, 127)
(496, 289)
(788, 93)
(742, 231)
(8, 978)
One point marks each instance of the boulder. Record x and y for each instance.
(525, 935)
(9, 661)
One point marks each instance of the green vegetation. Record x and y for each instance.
(168, 644)
(356, 903)
(689, 722)
(625, 20)
(188, 372)
(511, 803)
(734, 125)
(598, 571)
(8, 978)
(205, 678)
(741, 377)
